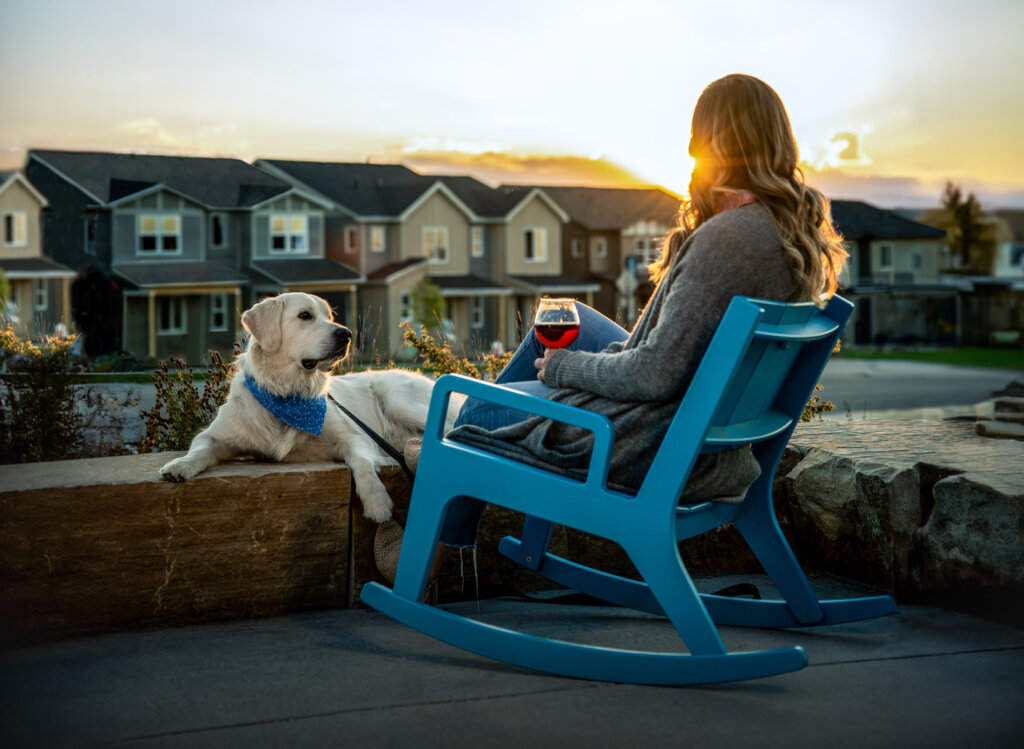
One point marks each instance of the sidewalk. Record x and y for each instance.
(926, 677)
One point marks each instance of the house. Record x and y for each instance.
(1009, 259)
(522, 235)
(187, 242)
(486, 250)
(39, 289)
(611, 237)
(993, 305)
(894, 277)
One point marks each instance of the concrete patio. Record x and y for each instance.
(926, 677)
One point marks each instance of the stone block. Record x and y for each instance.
(856, 518)
(916, 507)
(973, 536)
(88, 545)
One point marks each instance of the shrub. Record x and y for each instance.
(39, 419)
(816, 406)
(181, 411)
(440, 360)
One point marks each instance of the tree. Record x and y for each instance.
(963, 222)
(428, 304)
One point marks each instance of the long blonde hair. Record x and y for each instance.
(741, 138)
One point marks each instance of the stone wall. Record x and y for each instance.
(92, 545)
(911, 506)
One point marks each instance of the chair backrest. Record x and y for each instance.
(754, 380)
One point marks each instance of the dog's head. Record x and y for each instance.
(297, 328)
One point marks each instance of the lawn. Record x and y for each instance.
(968, 356)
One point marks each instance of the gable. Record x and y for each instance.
(161, 200)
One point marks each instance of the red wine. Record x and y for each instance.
(557, 334)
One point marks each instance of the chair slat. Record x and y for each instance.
(770, 424)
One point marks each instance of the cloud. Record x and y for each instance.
(149, 131)
(498, 167)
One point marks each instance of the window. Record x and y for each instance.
(218, 230)
(917, 260)
(646, 249)
(476, 241)
(1017, 255)
(40, 294)
(218, 313)
(435, 243)
(89, 235)
(159, 235)
(535, 245)
(15, 229)
(599, 246)
(171, 317)
(576, 247)
(476, 312)
(351, 239)
(288, 235)
(405, 309)
(885, 257)
(378, 242)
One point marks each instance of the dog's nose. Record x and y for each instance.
(342, 335)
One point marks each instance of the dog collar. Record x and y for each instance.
(306, 414)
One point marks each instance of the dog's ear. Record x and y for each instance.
(263, 321)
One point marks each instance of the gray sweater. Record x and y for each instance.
(640, 383)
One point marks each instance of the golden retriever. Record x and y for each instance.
(294, 343)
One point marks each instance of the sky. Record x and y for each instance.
(888, 100)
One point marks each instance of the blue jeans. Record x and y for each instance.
(597, 332)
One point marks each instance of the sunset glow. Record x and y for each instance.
(888, 100)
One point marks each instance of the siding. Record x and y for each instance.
(126, 223)
(438, 210)
(535, 214)
(289, 205)
(63, 227)
(17, 199)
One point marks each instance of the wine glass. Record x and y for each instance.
(557, 322)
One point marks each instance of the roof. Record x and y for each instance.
(858, 220)
(214, 182)
(469, 285)
(9, 178)
(288, 271)
(551, 284)
(486, 202)
(179, 273)
(364, 189)
(34, 267)
(386, 271)
(611, 208)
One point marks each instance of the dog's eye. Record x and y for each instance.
(305, 315)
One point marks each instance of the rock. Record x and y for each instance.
(915, 507)
(972, 537)
(1007, 429)
(856, 518)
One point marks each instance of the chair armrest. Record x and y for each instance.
(601, 426)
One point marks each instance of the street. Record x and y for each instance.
(859, 386)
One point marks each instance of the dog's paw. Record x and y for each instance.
(177, 470)
(377, 505)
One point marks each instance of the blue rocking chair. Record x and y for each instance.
(750, 388)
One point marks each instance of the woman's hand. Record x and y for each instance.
(541, 363)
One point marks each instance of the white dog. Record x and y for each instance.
(277, 407)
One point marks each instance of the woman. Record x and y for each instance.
(749, 227)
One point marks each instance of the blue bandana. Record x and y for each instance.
(306, 414)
